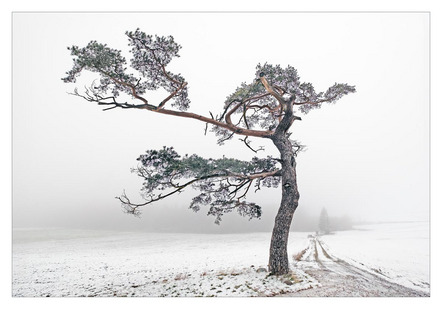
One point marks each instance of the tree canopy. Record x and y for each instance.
(264, 107)
(257, 104)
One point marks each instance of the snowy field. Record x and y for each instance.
(97, 263)
(400, 252)
(82, 263)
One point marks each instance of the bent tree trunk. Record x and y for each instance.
(278, 261)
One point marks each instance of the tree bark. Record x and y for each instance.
(278, 261)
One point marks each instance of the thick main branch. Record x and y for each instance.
(158, 109)
(230, 127)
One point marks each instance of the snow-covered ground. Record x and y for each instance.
(98, 263)
(85, 263)
(400, 252)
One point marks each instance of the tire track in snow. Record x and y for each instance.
(339, 278)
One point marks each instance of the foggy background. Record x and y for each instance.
(367, 157)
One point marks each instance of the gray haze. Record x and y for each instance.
(367, 156)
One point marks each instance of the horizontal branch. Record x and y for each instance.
(230, 127)
(256, 175)
(160, 197)
(90, 96)
(245, 179)
(159, 109)
(315, 102)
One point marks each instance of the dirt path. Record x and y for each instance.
(338, 278)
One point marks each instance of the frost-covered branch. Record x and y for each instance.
(260, 105)
(224, 183)
(266, 108)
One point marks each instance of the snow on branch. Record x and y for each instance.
(224, 183)
(272, 95)
(255, 109)
(150, 58)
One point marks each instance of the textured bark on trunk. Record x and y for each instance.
(278, 261)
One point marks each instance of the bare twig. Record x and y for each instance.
(247, 143)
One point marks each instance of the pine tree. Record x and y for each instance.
(324, 222)
(266, 107)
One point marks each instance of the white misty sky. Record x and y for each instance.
(367, 156)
